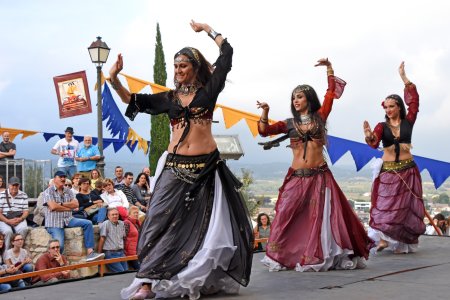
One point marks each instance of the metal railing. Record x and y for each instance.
(34, 174)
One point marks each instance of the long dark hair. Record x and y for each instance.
(139, 176)
(258, 220)
(313, 106)
(399, 101)
(201, 66)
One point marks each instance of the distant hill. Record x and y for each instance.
(273, 171)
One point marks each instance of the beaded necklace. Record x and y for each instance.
(305, 119)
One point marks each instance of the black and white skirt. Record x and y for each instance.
(197, 235)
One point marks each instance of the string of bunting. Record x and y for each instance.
(337, 147)
(117, 143)
(116, 123)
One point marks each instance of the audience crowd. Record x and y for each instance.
(77, 196)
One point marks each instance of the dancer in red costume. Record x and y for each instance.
(396, 216)
(314, 227)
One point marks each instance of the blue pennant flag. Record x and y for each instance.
(116, 122)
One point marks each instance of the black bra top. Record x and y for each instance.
(389, 139)
(180, 115)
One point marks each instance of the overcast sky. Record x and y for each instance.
(275, 48)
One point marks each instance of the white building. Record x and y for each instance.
(361, 205)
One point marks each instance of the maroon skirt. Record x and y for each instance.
(397, 204)
(295, 236)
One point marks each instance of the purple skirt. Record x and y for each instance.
(397, 204)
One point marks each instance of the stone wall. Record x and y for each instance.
(37, 242)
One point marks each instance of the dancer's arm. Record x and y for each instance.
(373, 137)
(149, 103)
(334, 91)
(410, 94)
(264, 128)
(223, 64)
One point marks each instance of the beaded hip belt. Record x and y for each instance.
(186, 168)
(310, 171)
(191, 163)
(398, 166)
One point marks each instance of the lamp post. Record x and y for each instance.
(99, 52)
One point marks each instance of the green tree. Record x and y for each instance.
(160, 124)
(34, 181)
(250, 201)
(443, 199)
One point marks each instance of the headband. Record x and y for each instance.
(191, 53)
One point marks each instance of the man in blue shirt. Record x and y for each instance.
(87, 157)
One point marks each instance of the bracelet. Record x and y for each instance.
(330, 71)
(408, 83)
(370, 139)
(115, 85)
(265, 121)
(212, 34)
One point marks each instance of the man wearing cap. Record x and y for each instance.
(87, 157)
(13, 211)
(59, 202)
(66, 149)
(7, 148)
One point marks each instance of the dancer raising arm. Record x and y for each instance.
(197, 235)
(397, 212)
(314, 226)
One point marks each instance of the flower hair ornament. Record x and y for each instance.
(394, 97)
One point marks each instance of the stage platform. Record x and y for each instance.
(421, 275)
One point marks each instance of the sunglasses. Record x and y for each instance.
(68, 185)
(55, 247)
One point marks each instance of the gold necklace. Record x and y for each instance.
(394, 126)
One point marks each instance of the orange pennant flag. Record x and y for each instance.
(13, 133)
(134, 137)
(156, 88)
(135, 84)
(232, 116)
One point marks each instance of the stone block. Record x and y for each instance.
(72, 233)
(38, 237)
(37, 243)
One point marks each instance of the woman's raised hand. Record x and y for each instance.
(323, 62)
(401, 69)
(198, 27)
(367, 130)
(262, 105)
(116, 67)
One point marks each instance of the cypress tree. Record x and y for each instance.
(160, 124)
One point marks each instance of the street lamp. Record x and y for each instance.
(99, 52)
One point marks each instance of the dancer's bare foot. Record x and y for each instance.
(382, 245)
(396, 251)
(145, 292)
